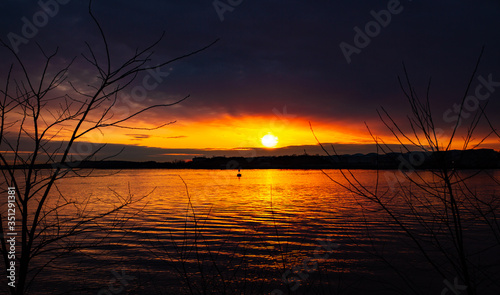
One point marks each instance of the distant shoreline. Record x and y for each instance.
(455, 159)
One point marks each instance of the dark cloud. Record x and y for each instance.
(273, 54)
(180, 136)
(139, 136)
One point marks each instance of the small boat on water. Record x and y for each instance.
(239, 173)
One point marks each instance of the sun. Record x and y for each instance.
(269, 140)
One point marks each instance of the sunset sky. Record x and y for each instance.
(277, 67)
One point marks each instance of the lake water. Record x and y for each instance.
(268, 232)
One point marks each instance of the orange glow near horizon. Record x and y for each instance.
(246, 132)
(229, 132)
(221, 131)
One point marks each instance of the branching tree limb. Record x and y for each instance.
(35, 117)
